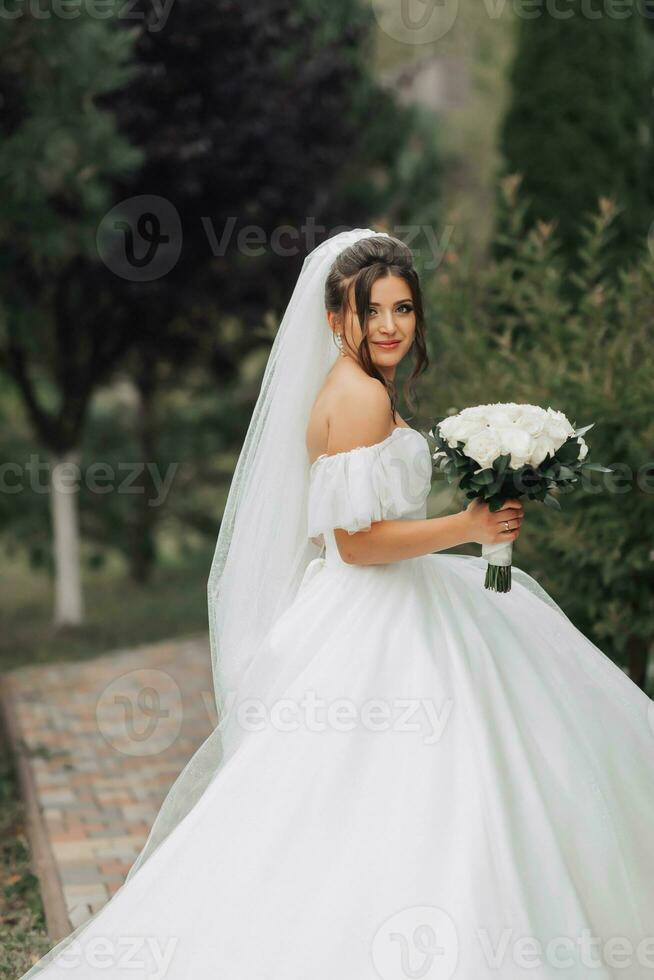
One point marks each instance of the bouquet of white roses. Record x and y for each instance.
(503, 451)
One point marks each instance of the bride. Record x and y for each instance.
(413, 776)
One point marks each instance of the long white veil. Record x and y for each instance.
(262, 547)
(262, 550)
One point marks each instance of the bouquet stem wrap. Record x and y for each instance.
(498, 573)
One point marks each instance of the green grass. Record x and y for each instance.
(119, 613)
(23, 937)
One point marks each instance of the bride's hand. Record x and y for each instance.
(488, 527)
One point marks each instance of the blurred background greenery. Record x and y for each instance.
(510, 144)
(514, 152)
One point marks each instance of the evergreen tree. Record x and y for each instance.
(59, 151)
(229, 116)
(579, 123)
(251, 116)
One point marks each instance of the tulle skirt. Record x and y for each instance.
(422, 779)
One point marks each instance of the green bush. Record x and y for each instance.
(579, 122)
(523, 328)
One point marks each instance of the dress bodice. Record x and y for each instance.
(388, 480)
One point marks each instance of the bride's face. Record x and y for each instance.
(391, 323)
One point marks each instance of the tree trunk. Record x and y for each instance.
(637, 660)
(143, 551)
(64, 509)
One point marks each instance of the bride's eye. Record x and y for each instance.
(405, 308)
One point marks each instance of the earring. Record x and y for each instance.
(339, 343)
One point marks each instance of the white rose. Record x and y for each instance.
(484, 447)
(556, 432)
(562, 420)
(476, 415)
(528, 432)
(542, 446)
(514, 411)
(518, 443)
(498, 417)
(583, 452)
(532, 420)
(460, 430)
(445, 427)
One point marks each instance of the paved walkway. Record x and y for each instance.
(99, 743)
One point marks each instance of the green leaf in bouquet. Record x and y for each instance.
(500, 465)
(525, 479)
(568, 452)
(597, 467)
(549, 467)
(485, 477)
(551, 501)
(565, 473)
(584, 430)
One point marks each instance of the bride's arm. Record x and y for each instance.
(387, 541)
(363, 419)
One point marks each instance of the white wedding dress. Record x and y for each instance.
(426, 779)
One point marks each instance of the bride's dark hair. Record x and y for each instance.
(362, 264)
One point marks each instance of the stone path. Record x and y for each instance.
(99, 743)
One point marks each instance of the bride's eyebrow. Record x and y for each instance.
(397, 303)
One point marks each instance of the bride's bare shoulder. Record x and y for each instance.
(351, 409)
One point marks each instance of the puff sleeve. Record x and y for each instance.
(351, 490)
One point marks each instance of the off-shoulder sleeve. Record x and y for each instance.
(352, 489)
